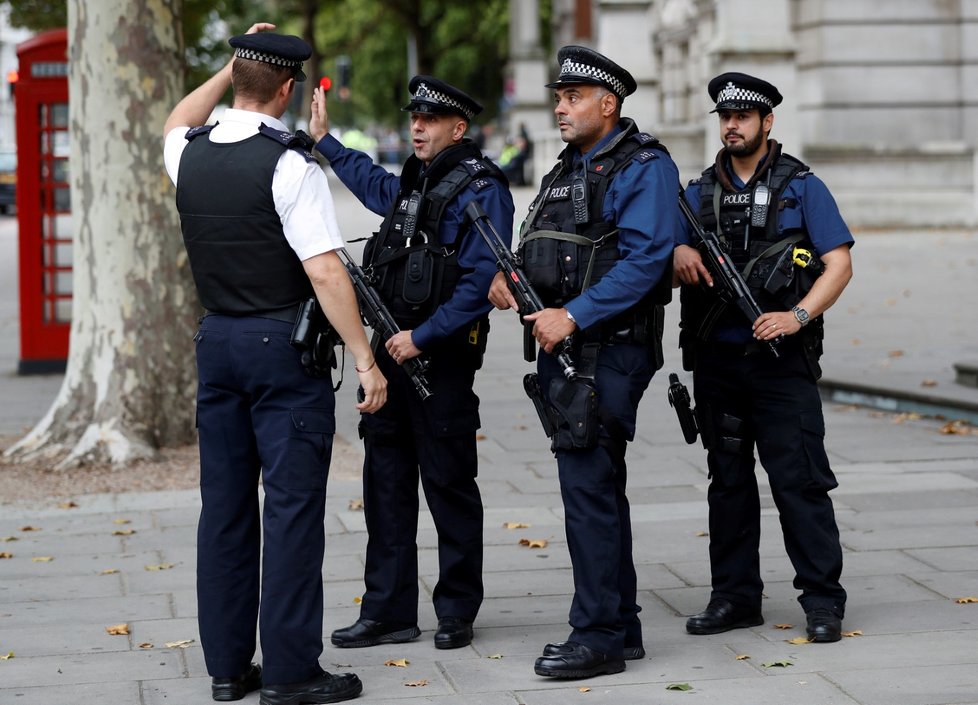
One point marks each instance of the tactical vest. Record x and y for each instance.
(415, 272)
(566, 246)
(241, 262)
(760, 251)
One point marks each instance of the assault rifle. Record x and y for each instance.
(376, 315)
(526, 297)
(732, 285)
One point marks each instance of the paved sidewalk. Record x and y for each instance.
(907, 506)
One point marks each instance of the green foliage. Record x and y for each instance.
(37, 15)
(462, 43)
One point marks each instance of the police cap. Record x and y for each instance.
(429, 95)
(738, 91)
(282, 50)
(583, 65)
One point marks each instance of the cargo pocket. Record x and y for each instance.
(813, 440)
(310, 445)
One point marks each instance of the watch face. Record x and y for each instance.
(801, 314)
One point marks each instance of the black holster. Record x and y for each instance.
(315, 339)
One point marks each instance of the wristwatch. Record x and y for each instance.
(801, 315)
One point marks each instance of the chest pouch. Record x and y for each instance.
(418, 278)
(562, 265)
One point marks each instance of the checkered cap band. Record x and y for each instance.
(732, 93)
(571, 69)
(267, 58)
(424, 92)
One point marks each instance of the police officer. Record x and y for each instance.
(597, 247)
(783, 231)
(260, 231)
(433, 272)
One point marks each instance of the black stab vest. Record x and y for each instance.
(414, 271)
(241, 262)
(566, 246)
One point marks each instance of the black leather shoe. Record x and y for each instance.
(453, 633)
(722, 616)
(367, 632)
(824, 625)
(225, 689)
(324, 688)
(577, 661)
(629, 653)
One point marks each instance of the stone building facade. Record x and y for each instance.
(881, 98)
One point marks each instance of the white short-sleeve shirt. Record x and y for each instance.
(299, 188)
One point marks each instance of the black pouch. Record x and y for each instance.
(576, 405)
(418, 277)
(542, 263)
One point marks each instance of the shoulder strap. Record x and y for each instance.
(298, 141)
(198, 131)
(469, 173)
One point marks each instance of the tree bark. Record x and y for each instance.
(129, 384)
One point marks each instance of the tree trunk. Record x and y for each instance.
(129, 385)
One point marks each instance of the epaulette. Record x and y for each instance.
(480, 183)
(298, 141)
(474, 166)
(198, 131)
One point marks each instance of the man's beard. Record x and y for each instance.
(747, 147)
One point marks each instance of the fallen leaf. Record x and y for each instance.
(534, 543)
(109, 571)
(743, 657)
(124, 532)
(928, 383)
(6, 657)
(30, 528)
(355, 505)
(481, 436)
(584, 689)
(679, 686)
(145, 645)
(417, 684)
(784, 626)
(4, 554)
(159, 566)
(8, 539)
(495, 656)
(966, 600)
(800, 640)
(357, 600)
(122, 521)
(182, 644)
(895, 353)
(399, 663)
(515, 525)
(702, 533)
(118, 629)
(777, 664)
(856, 341)
(856, 632)
(67, 505)
(955, 427)
(42, 559)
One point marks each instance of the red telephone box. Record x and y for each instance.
(43, 202)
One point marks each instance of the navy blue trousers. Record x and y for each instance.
(435, 441)
(778, 403)
(259, 415)
(597, 519)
